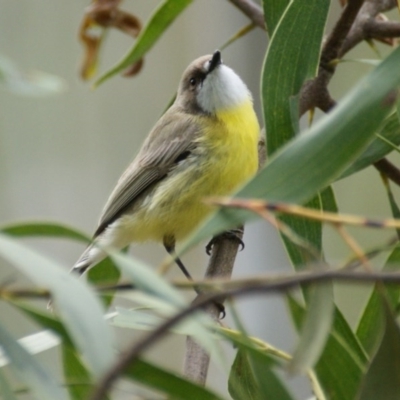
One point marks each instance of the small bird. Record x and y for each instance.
(204, 145)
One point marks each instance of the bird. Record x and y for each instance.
(204, 145)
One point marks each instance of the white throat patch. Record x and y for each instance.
(222, 89)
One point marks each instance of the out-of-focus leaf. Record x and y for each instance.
(382, 380)
(304, 166)
(46, 229)
(76, 303)
(33, 83)
(292, 58)
(370, 326)
(378, 148)
(341, 365)
(30, 370)
(315, 329)
(77, 377)
(45, 319)
(252, 378)
(167, 382)
(105, 273)
(153, 285)
(163, 16)
(6, 392)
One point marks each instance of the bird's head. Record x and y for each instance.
(209, 86)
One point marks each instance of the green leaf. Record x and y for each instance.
(6, 392)
(45, 319)
(252, 378)
(341, 365)
(369, 330)
(76, 303)
(292, 58)
(105, 273)
(273, 11)
(77, 377)
(304, 166)
(52, 229)
(167, 382)
(378, 148)
(315, 329)
(30, 370)
(161, 19)
(382, 380)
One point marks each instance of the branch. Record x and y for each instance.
(273, 286)
(252, 10)
(385, 167)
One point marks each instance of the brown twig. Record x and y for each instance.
(252, 10)
(389, 170)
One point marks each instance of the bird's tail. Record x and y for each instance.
(89, 258)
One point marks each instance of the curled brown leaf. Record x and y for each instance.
(98, 17)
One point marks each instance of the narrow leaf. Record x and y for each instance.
(77, 377)
(167, 382)
(315, 329)
(46, 229)
(292, 58)
(341, 365)
(382, 380)
(6, 392)
(30, 371)
(273, 11)
(252, 378)
(76, 303)
(369, 330)
(162, 18)
(378, 148)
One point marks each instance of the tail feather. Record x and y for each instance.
(89, 258)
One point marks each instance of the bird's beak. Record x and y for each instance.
(215, 61)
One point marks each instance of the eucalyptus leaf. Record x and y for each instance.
(45, 229)
(78, 380)
(6, 392)
(292, 58)
(273, 11)
(251, 378)
(370, 327)
(167, 382)
(31, 372)
(382, 379)
(78, 306)
(378, 148)
(341, 365)
(161, 19)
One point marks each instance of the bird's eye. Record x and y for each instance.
(192, 82)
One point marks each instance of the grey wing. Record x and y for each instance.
(172, 139)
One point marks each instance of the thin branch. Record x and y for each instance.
(389, 170)
(281, 285)
(252, 10)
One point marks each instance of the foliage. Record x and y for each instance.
(340, 362)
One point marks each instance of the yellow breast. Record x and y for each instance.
(227, 158)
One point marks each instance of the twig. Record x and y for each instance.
(252, 10)
(315, 92)
(388, 169)
(221, 264)
(279, 285)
